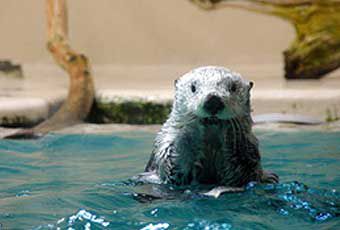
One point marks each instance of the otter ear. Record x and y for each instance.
(251, 84)
(175, 83)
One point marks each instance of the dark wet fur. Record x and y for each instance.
(206, 142)
(238, 167)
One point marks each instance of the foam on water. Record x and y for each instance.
(81, 182)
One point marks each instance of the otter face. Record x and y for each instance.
(212, 93)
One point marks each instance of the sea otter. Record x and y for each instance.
(208, 136)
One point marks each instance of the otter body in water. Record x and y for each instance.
(208, 136)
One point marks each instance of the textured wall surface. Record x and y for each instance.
(146, 32)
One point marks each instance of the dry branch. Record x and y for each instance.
(81, 90)
(316, 49)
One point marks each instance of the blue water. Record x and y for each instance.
(80, 182)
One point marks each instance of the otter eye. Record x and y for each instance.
(233, 87)
(193, 88)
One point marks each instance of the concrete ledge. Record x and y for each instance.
(112, 107)
(108, 129)
(144, 94)
(26, 111)
(134, 107)
(22, 111)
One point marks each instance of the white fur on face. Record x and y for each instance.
(213, 80)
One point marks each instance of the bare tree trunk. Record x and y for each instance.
(81, 90)
(316, 49)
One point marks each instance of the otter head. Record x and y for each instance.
(212, 93)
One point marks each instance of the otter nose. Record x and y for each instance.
(213, 104)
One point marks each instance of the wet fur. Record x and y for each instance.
(195, 148)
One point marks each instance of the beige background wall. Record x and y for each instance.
(138, 48)
(146, 32)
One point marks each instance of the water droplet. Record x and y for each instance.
(23, 193)
(322, 216)
(283, 212)
(154, 212)
(250, 185)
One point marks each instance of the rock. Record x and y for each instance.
(9, 69)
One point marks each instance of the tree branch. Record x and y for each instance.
(81, 90)
(316, 49)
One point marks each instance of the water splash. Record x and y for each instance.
(295, 198)
(82, 218)
(159, 226)
(204, 224)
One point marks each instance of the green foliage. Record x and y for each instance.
(17, 121)
(130, 112)
(332, 115)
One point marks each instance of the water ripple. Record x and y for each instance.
(80, 182)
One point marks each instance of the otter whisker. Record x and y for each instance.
(241, 135)
(237, 137)
(234, 136)
(185, 120)
(244, 141)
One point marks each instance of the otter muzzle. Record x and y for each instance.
(213, 104)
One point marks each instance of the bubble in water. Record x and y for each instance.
(207, 225)
(283, 212)
(154, 212)
(87, 226)
(322, 216)
(251, 185)
(23, 193)
(60, 221)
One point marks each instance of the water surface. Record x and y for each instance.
(80, 182)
